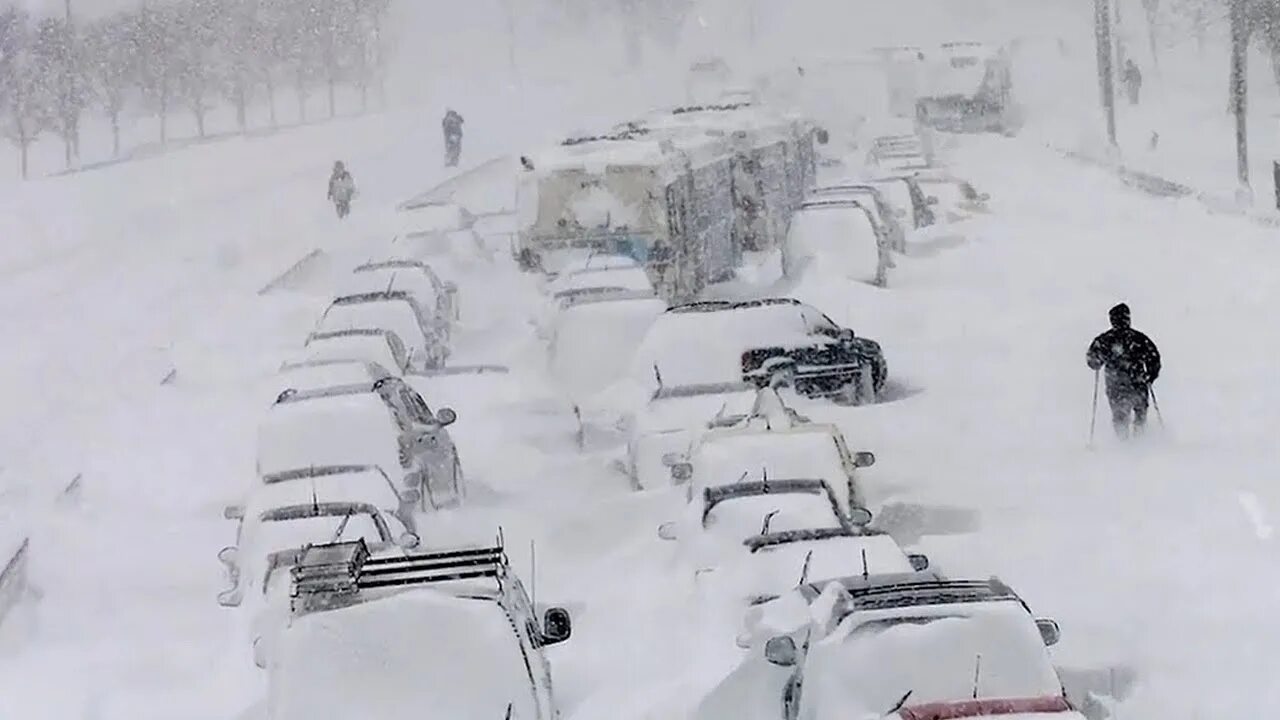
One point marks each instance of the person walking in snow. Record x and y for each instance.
(1131, 362)
(1132, 78)
(452, 126)
(341, 189)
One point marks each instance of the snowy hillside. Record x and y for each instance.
(143, 353)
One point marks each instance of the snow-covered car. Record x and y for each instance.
(910, 203)
(673, 420)
(757, 339)
(838, 234)
(723, 517)
(395, 310)
(375, 345)
(447, 300)
(411, 276)
(904, 649)
(304, 506)
(592, 339)
(873, 199)
(957, 199)
(756, 451)
(450, 633)
(384, 423)
(595, 261)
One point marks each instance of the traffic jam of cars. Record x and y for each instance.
(708, 392)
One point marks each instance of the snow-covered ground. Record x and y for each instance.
(1157, 556)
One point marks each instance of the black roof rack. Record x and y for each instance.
(710, 108)
(333, 575)
(924, 589)
(372, 296)
(786, 537)
(631, 131)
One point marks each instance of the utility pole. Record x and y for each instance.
(70, 111)
(1106, 72)
(1239, 96)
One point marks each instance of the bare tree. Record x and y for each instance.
(154, 41)
(25, 111)
(112, 68)
(58, 57)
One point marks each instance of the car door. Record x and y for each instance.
(433, 449)
(525, 618)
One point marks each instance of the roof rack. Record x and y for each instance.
(933, 592)
(786, 537)
(631, 131)
(333, 575)
(710, 108)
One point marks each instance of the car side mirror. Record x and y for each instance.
(845, 335)
(408, 541)
(864, 459)
(931, 201)
(860, 516)
(557, 626)
(667, 531)
(681, 472)
(233, 512)
(229, 556)
(919, 562)
(1049, 631)
(671, 459)
(446, 417)
(781, 651)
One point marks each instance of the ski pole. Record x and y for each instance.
(1155, 404)
(1093, 417)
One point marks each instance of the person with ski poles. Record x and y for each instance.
(341, 189)
(452, 126)
(1132, 363)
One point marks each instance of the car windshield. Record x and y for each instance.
(286, 534)
(726, 458)
(394, 315)
(353, 347)
(993, 651)
(737, 519)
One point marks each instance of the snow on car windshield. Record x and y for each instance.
(724, 458)
(594, 343)
(706, 347)
(627, 278)
(353, 347)
(394, 315)
(864, 669)
(275, 535)
(346, 430)
(844, 237)
(393, 658)
(740, 518)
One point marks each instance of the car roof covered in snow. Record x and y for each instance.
(315, 374)
(364, 344)
(349, 427)
(664, 152)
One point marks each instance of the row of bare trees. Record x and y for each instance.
(188, 55)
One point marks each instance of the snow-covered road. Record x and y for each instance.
(1156, 556)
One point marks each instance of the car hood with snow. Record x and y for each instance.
(398, 657)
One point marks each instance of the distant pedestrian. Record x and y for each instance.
(1131, 362)
(452, 126)
(1132, 79)
(341, 189)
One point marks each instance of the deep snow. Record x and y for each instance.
(1156, 556)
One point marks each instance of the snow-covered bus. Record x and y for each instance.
(683, 192)
(967, 87)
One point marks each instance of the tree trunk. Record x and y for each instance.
(198, 110)
(271, 100)
(302, 98)
(164, 116)
(115, 133)
(364, 96)
(333, 106)
(242, 119)
(66, 148)
(23, 144)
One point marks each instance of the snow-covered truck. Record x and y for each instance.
(967, 87)
(705, 182)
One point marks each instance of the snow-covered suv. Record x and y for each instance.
(902, 649)
(452, 634)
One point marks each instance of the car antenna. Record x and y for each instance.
(533, 573)
(865, 571)
(804, 571)
(977, 670)
(508, 711)
(315, 501)
(657, 374)
(764, 478)
(901, 702)
(764, 528)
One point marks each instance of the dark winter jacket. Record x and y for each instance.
(452, 124)
(1130, 358)
(341, 186)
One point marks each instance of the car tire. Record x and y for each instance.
(459, 481)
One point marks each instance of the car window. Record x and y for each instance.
(816, 322)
